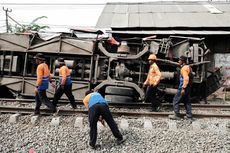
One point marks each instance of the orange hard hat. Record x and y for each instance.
(152, 57)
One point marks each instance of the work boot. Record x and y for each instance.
(120, 141)
(74, 106)
(190, 119)
(94, 147)
(175, 117)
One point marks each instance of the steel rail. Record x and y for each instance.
(123, 105)
(65, 112)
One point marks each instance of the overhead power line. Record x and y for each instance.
(45, 24)
(52, 3)
(15, 21)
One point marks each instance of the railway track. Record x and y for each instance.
(123, 105)
(68, 112)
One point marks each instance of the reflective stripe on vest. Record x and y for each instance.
(67, 82)
(45, 83)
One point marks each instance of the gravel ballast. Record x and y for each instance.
(22, 136)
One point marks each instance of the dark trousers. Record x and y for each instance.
(185, 99)
(68, 92)
(40, 98)
(150, 96)
(95, 112)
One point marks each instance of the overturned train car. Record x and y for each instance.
(117, 67)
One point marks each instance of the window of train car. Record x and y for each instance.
(11, 63)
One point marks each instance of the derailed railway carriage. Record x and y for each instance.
(18, 69)
(116, 66)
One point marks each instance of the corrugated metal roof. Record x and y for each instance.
(165, 15)
(171, 32)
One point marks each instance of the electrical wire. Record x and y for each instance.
(52, 3)
(44, 24)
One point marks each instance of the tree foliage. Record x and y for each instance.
(32, 26)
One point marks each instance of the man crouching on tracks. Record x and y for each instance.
(65, 84)
(43, 79)
(98, 109)
(183, 92)
(152, 81)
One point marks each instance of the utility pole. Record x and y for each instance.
(7, 24)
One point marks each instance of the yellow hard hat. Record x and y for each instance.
(152, 57)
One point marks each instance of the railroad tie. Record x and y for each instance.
(124, 124)
(172, 125)
(34, 120)
(55, 121)
(79, 123)
(14, 118)
(147, 124)
(196, 126)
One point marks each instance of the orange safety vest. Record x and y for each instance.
(64, 76)
(184, 76)
(43, 76)
(154, 75)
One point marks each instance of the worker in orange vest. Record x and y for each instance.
(183, 92)
(152, 81)
(65, 84)
(42, 84)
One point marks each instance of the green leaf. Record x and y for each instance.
(38, 18)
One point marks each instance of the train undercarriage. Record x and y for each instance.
(116, 66)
